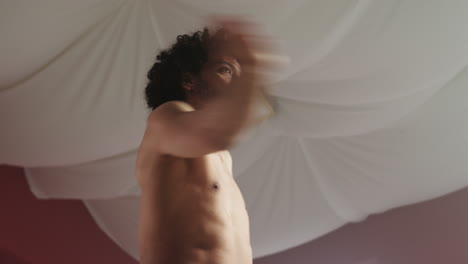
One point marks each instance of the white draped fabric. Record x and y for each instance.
(369, 115)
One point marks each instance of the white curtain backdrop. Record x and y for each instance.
(369, 115)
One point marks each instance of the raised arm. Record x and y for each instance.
(185, 132)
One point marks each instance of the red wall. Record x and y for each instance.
(433, 232)
(56, 231)
(49, 231)
(8, 257)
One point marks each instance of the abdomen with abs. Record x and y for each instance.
(195, 204)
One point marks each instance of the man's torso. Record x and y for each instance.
(201, 212)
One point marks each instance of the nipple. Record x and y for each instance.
(215, 186)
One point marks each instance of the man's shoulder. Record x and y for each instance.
(168, 111)
(161, 121)
(171, 107)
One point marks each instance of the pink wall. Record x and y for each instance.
(49, 231)
(434, 232)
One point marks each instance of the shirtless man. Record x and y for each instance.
(202, 94)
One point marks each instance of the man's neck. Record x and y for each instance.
(194, 102)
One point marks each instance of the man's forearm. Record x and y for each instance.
(230, 112)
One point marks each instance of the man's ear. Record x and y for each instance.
(187, 82)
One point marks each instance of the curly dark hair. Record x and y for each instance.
(166, 76)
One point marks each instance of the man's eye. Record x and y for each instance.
(225, 70)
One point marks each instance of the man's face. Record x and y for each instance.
(217, 74)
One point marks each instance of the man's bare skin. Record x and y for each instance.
(201, 215)
(192, 211)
